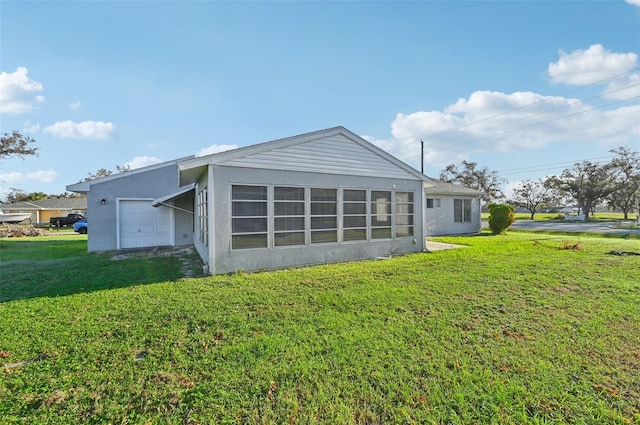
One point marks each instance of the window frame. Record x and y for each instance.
(462, 210)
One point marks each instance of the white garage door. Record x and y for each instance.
(142, 225)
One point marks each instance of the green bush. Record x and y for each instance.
(500, 217)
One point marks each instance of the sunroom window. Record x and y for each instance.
(249, 217)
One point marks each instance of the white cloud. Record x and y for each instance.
(633, 2)
(43, 176)
(18, 92)
(583, 67)
(96, 130)
(30, 127)
(215, 149)
(75, 105)
(500, 122)
(142, 161)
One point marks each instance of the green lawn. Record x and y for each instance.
(518, 328)
(600, 216)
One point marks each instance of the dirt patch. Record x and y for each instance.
(191, 262)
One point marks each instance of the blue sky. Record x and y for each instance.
(525, 88)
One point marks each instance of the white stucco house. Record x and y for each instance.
(321, 197)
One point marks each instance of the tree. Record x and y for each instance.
(626, 170)
(588, 184)
(103, 172)
(16, 195)
(469, 175)
(531, 194)
(15, 144)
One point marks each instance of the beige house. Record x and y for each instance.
(41, 211)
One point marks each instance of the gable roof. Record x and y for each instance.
(85, 186)
(331, 151)
(47, 204)
(446, 188)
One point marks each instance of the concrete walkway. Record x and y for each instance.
(441, 246)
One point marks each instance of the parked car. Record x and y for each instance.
(80, 226)
(67, 220)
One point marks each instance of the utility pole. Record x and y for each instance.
(422, 156)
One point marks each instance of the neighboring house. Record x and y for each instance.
(452, 209)
(322, 197)
(42, 210)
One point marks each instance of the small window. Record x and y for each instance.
(433, 202)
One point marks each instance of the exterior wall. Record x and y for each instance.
(223, 259)
(334, 154)
(103, 220)
(440, 221)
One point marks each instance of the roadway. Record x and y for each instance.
(573, 226)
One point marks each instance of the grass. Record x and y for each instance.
(600, 216)
(519, 328)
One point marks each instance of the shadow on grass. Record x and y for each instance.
(53, 267)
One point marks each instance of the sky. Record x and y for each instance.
(524, 88)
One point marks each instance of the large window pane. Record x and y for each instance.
(288, 223)
(241, 192)
(324, 222)
(381, 233)
(291, 238)
(249, 225)
(323, 208)
(288, 193)
(354, 234)
(324, 194)
(249, 209)
(354, 195)
(457, 210)
(324, 236)
(354, 221)
(249, 241)
(467, 211)
(288, 208)
(350, 208)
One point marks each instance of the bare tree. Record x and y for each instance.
(469, 175)
(531, 194)
(15, 144)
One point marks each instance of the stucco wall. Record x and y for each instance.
(102, 219)
(222, 259)
(440, 221)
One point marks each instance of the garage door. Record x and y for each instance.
(142, 225)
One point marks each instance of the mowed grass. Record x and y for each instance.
(518, 328)
(599, 216)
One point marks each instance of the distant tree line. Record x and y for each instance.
(615, 184)
(587, 184)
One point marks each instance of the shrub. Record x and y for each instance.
(500, 217)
